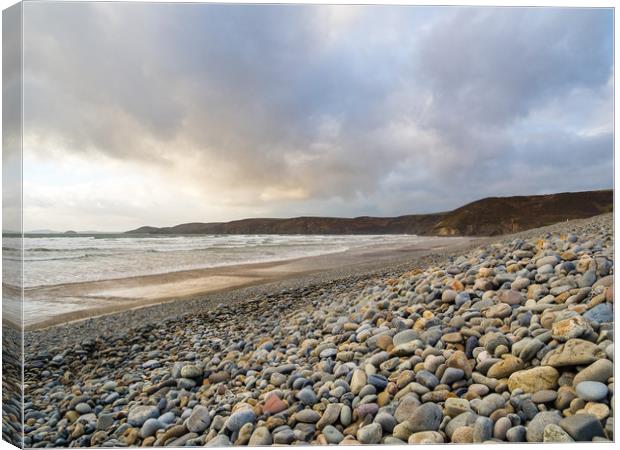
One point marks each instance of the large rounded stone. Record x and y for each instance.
(575, 352)
(534, 380)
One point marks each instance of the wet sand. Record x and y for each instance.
(49, 306)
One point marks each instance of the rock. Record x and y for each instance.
(592, 391)
(600, 370)
(221, 440)
(191, 371)
(104, 421)
(199, 420)
(463, 435)
(464, 419)
(83, 408)
(408, 404)
(330, 415)
(140, 414)
(451, 375)
(260, 436)
(534, 380)
(582, 427)
(284, 437)
(483, 429)
(570, 328)
(378, 381)
(501, 427)
(307, 416)
(150, 427)
(426, 437)
(511, 297)
(516, 434)
(599, 410)
(491, 403)
(404, 337)
(307, 396)
(240, 418)
(273, 404)
(332, 435)
(535, 429)
(602, 313)
(544, 396)
(505, 367)
(555, 433)
(370, 434)
(553, 260)
(455, 406)
(575, 352)
(358, 381)
(426, 417)
(386, 421)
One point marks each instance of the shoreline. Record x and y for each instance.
(117, 295)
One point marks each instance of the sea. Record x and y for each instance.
(56, 259)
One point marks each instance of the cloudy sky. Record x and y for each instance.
(167, 113)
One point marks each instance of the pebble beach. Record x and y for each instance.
(507, 340)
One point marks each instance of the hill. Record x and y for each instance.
(487, 217)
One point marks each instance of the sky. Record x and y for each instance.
(159, 114)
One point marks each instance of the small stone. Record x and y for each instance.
(83, 408)
(451, 375)
(191, 371)
(104, 421)
(426, 417)
(307, 416)
(199, 420)
(455, 406)
(536, 427)
(491, 403)
(370, 434)
(273, 404)
(358, 381)
(582, 427)
(602, 313)
(570, 328)
(600, 370)
(534, 380)
(426, 437)
(330, 415)
(483, 429)
(501, 427)
(240, 418)
(544, 396)
(140, 414)
(150, 427)
(592, 391)
(555, 433)
(505, 367)
(386, 421)
(599, 410)
(332, 435)
(516, 434)
(284, 437)
(463, 435)
(307, 396)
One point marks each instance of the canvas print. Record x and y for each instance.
(246, 224)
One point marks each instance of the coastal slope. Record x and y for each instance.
(487, 217)
(510, 341)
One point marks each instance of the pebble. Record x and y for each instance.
(582, 427)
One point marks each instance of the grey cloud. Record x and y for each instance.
(258, 99)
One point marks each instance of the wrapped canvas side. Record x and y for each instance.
(12, 233)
